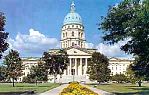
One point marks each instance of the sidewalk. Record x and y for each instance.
(100, 92)
(55, 91)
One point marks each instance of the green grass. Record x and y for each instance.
(125, 89)
(20, 87)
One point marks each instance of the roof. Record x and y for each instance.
(72, 17)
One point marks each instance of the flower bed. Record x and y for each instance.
(77, 89)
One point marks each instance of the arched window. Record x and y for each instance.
(66, 34)
(72, 33)
(79, 43)
(63, 35)
(72, 43)
(79, 34)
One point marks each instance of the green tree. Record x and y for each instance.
(119, 78)
(3, 74)
(39, 72)
(3, 35)
(56, 63)
(13, 64)
(98, 68)
(130, 20)
(29, 79)
(131, 75)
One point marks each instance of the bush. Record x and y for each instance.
(119, 78)
(28, 79)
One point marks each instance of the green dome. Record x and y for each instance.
(72, 17)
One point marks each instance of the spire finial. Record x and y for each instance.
(72, 6)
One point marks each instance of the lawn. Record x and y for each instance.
(21, 87)
(125, 89)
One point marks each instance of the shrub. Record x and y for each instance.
(119, 78)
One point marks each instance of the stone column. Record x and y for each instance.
(76, 70)
(70, 65)
(81, 65)
(65, 71)
(85, 66)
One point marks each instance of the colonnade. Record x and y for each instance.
(77, 66)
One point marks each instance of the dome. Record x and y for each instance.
(72, 17)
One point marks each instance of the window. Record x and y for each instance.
(66, 34)
(72, 43)
(72, 33)
(79, 34)
(112, 68)
(79, 43)
(63, 35)
(72, 25)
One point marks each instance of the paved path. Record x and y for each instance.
(100, 92)
(55, 91)
(59, 89)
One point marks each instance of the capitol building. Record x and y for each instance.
(73, 41)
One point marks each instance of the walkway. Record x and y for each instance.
(100, 92)
(55, 91)
(59, 89)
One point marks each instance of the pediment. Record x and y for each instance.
(75, 51)
(114, 59)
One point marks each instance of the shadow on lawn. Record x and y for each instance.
(134, 93)
(33, 86)
(140, 91)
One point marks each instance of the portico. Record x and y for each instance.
(77, 66)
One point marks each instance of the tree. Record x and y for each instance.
(131, 75)
(120, 78)
(29, 79)
(130, 20)
(3, 35)
(98, 68)
(39, 73)
(3, 74)
(13, 64)
(56, 63)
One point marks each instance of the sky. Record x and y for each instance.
(34, 26)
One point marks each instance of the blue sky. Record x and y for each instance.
(34, 26)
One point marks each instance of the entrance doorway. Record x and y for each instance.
(72, 71)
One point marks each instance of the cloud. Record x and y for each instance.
(32, 44)
(112, 50)
(89, 45)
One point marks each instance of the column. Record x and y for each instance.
(85, 65)
(70, 65)
(81, 65)
(65, 71)
(76, 71)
